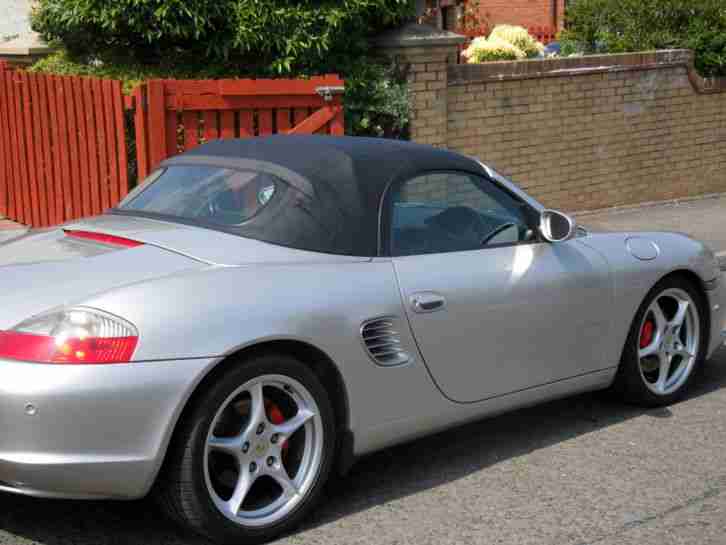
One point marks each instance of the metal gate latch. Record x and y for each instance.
(327, 92)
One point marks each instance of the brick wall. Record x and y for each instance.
(596, 132)
(523, 12)
(578, 133)
(446, 190)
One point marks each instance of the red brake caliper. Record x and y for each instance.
(646, 335)
(275, 416)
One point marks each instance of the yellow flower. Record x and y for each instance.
(492, 49)
(519, 37)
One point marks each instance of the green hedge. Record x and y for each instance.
(376, 97)
(130, 73)
(617, 26)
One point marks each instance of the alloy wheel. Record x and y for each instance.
(263, 451)
(668, 341)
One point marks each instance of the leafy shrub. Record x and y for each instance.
(376, 101)
(130, 73)
(618, 26)
(708, 41)
(520, 38)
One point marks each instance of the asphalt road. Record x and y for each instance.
(584, 470)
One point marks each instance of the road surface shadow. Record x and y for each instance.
(376, 479)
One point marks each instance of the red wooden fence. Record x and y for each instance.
(63, 150)
(176, 115)
(62, 147)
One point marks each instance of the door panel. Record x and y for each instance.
(514, 316)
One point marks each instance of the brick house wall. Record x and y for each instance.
(527, 13)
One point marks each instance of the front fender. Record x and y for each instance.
(635, 276)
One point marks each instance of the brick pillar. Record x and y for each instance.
(426, 53)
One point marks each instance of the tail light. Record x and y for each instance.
(71, 336)
(103, 238)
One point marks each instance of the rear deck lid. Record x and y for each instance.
(48, 269)
(210, 246)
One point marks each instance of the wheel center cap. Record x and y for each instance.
(260, 449)
(671, 344)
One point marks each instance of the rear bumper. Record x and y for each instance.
(95, 431)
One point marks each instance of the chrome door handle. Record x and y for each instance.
(425, 302)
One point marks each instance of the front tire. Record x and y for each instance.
(251, 458)
(666, 344)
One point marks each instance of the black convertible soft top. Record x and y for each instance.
(343, 178)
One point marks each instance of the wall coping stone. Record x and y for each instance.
(463, 74)
(416, 35)
(25, 49)
(25, 44)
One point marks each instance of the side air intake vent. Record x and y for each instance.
(383, 342)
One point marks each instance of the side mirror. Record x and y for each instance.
(556, 226)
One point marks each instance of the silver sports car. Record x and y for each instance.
(259, 313)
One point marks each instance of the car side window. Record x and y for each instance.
(452, 212)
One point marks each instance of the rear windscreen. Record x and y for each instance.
(250, 203)
(212, 194)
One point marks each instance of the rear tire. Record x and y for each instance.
(250, 459)
(666, 345)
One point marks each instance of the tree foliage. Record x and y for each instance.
(617, 26)
(263, 36)
(136, 40)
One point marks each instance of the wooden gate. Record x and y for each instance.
(172, 116)
(62, 147)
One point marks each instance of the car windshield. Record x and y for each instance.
(214, 195)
